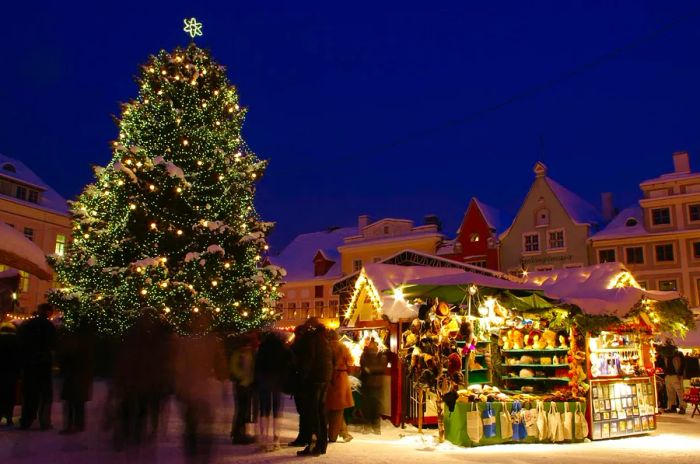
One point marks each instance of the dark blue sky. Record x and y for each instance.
(331, 86)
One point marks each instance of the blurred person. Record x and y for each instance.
(295, 386)
(372, 367)
(272, 362)
(10, 363)
(197, 359)
(142, 381)
(37, 340)
(75, 353)
(339, 395)
(316, 369)
(675, 371)
(242, 371)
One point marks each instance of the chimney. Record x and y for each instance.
(606, 201)
(681, 163)
(432, 219)
(362, 222)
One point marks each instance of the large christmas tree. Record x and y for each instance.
(169, 225)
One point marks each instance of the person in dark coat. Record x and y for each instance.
(10, 363)
(316, 370)
(242, 374)
(37, 339)
(76, 362)
(272, 362)
(372, 367)
(296, 387)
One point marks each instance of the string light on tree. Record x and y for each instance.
(146, 245)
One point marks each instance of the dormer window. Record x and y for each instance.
(474, 237)
(9, 167)
(631, 222)
(542, 218)
(21, 192)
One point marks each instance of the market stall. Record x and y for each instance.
(578, 340)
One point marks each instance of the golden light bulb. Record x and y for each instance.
(221, 177)
(179, 190)
(138, 269)
(191, 287)
(128, 162)
(160, 92)
(120, 182)
(257, 257)
(151, 187)
(199, 162)
(163, 259)
(253, 175)
(177, 120)
(245, 313)
(204, 105)
(218, 123)
(132, 206)
(179, 232)
(177, 77)
(146, 101)
(230, 110)
(214, 283)
(227, 265)
(205, 223)
(266, 247)
(164, 72)
(236, 304)
(204, 71)
(264, 287)
(185, 142)
(86, 235)
(139, 164)
(166, 309)
(216, 92)
(151, 70)
(195, 309)
(218, 310)
(153, 225)
(164, 284)
(143, 291)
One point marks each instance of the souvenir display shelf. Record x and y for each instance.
(481, 374)
(622, 407)
(548, 377)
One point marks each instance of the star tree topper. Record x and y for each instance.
(192, 27)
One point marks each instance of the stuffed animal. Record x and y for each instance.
(517, 340)
(550, 339)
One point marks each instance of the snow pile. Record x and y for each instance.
(172, 169)
(215, 249)
(145, 262)
(191, 256)
(118, 166)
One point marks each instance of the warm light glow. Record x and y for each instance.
(398, 294)
(179, 232)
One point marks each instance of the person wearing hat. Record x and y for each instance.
(9, 370)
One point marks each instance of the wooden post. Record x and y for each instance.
(420, 410)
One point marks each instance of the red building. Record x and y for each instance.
(476, 242)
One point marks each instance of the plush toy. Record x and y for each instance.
(517, 340)
(550, 339)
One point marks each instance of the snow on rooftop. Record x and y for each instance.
(577, 208)
(493, 216)
(19, 252)
(297, 257)
(672, 176)
(48, 198)
(628, 223)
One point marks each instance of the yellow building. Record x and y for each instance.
(315, 261)
(33, 208)
(659, 239)
(386, 237)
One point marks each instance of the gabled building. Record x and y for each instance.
(658, 239)
(312, 263)
(476, 242)
(551, 229)
(32, 207)
(380, 239)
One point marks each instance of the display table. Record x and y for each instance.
(456, 423)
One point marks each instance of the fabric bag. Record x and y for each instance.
(518, 422)
(475, 429)
(530, 416)
(568, 423)
(556, 430)
(580, 424)
(505, 422)
(489, 421)
(542, 428)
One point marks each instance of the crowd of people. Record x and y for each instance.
(152, 365)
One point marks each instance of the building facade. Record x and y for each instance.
(477, 241)
(658, 239)
(32, 207)
(550, 230)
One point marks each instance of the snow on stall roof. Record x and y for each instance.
(578, 209)
(19, 252)
(297, 257)
(467, 278)
(618, 226)
(589, 288)
(48, 198)
(389, 276)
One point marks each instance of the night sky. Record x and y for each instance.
(393, 109)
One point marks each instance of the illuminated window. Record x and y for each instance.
(60, 244)
(292, 310)
(333, 305)
(305, 308)
(23, 281)
(319, 309)
(474, 237)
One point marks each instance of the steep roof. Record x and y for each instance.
(577, 208)
(297, 257)
(48, 199)
(494, 217)
(619, 227)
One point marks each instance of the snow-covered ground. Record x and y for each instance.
(678, 440)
